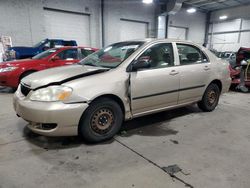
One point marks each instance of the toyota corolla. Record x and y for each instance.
(120, 82)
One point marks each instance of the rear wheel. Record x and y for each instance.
(210, 98)
(101, 121)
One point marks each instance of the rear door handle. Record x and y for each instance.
(206, 68)
(173, 72)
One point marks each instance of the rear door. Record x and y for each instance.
(156, 87)
(195, 70)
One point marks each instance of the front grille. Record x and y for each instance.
(43, 126)
(25, 90)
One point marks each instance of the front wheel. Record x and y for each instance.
(101, 121)
(210, 98)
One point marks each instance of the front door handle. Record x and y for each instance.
(173, 72)
(206, 68)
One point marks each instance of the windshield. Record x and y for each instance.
(45, 54)
(111, 56)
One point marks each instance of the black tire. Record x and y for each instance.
(101, 121)
(25, 74)
(13, 89)
(210, 98)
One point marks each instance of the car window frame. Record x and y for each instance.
(195, 46)
(68, 49)
(146, 48)
(81, 55)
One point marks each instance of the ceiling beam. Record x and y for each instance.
(204, 2)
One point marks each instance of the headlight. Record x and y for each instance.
(8, 69)
(51, 94)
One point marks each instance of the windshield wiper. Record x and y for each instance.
(90, 64)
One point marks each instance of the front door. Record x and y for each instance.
(68, 57)
(156, 87)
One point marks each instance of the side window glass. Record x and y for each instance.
(159, 56)
(46, 46)
(69, 54)
(189, 54)
(85, 53)
(56, 44)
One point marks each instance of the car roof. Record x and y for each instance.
(72, 47)
(158, 40)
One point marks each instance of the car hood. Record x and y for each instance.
(17, 63)
(60, 75)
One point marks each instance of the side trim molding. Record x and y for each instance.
(167, 92)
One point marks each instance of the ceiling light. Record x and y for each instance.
(147, 1)
(191, 10)
(223, 17)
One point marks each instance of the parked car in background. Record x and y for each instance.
(215, 52)
(235, 75)
(228, 56)
(242, 54)
(21, 52)
(13, 71)
(120, 82)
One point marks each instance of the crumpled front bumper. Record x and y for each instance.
(66, 117)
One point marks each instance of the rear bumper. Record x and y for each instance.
(66, 117)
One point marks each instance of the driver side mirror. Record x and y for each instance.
(55, 58)
(139, 64)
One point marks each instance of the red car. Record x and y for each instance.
(13, 71)
(235, 75)
(243, 53)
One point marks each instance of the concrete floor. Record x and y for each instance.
(213, 148)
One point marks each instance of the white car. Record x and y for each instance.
(120, 82)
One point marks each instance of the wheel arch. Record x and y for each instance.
(218, 83)
(112, 97)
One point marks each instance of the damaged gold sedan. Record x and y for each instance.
(120, 82)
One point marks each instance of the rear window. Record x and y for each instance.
(69, 43)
